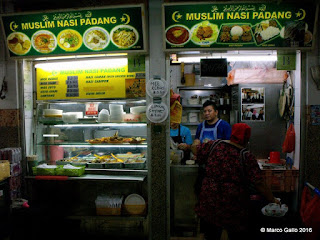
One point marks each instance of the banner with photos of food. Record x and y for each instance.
(239, 25)
(75, 31)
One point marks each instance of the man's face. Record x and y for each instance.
(209, 113)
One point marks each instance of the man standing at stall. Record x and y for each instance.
(212, 127)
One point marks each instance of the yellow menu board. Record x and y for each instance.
(88, 83)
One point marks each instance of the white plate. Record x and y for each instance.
(178, 44)
(202, 42)
(134, 199)
(51, 45)
(127, 27)
(25, 47)
(99, 46)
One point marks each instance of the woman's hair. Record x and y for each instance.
(240, 133)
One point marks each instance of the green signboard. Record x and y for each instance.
(238, 25)
(73, 32)
(286, 61)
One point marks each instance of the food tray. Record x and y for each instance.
(116, 165)
(241, 38)
(44, 171)
(79, 164)
(88, 120)
(59, 162)
(135, 165)
(74, 172)
(69, 172)
(95, 165)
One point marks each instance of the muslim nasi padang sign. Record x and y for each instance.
(239, 25)
(112, 29)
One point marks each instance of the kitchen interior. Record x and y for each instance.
(251, 73)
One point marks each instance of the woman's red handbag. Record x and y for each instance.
(310, 214)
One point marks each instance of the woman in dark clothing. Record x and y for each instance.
(224, 200)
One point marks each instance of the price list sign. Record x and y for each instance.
(157, 88)
(157, 112)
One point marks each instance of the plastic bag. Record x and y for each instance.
(310, 213)
(274, 210)
(289, 142)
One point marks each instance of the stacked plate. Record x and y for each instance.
(116, 112)
(135, 204)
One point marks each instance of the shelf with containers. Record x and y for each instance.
(89, 141)
(192, 98)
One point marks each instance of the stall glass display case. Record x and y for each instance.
(64, 135)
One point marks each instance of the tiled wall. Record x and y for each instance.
(9, 128)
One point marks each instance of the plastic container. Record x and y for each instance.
(71, 117)
(4, 169)
(135, 165)
(56, 153)
(115, 165)
(44, 171)
(95, 165)
(138, 109)
(274, 157)
(104, 116)
(190, 79)
(108, 205)
(131, 117)
(52, 113)
(135, 204)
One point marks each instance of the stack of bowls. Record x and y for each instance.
(116, 112)
(139, 110)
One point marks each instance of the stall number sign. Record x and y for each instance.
(91, 109)
(157, 88)
(286, 61)
(157, 112)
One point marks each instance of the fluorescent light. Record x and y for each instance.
(143, 145)
(50, 135)
(103, 125)
(253, 58)
(231, 58)
(81, 56)
(87, 64)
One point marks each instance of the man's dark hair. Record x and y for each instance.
(210, 103)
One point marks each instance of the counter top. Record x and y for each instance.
(95, 177)
(184, 166)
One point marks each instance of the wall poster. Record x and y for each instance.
(252, 104)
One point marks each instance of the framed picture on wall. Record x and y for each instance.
(252, 104)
